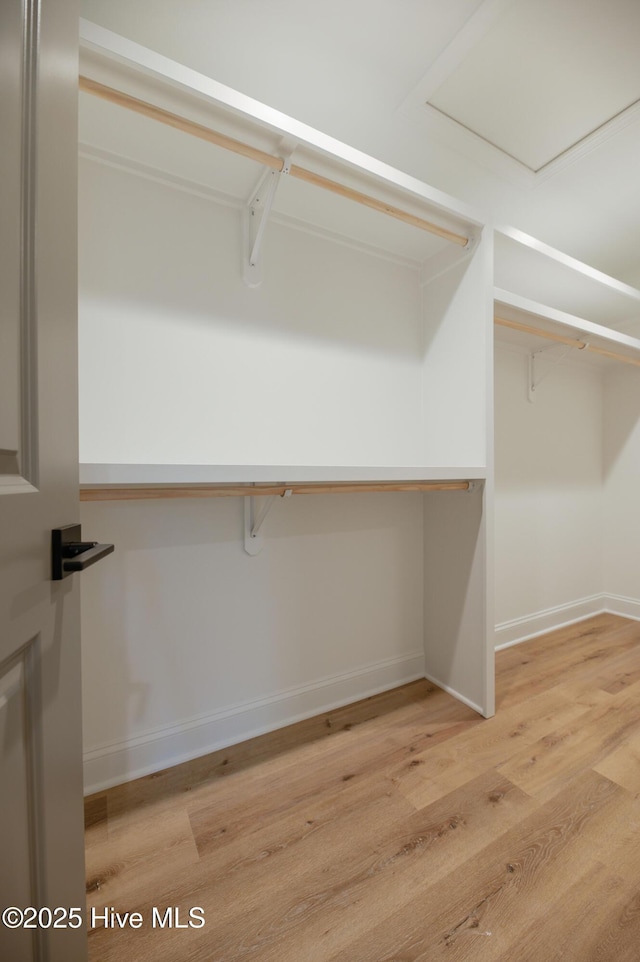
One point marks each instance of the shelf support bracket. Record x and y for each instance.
(256, 218)
(254, 518)
(535, 378)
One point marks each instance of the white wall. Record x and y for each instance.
(622, 489)
(548, 505)
(322, 364)
(189, 644)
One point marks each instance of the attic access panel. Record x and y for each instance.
(547, 76)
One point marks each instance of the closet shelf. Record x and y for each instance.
(131, 78)
(109, 482)
(536, 320)
(268, 160)
(548, 276)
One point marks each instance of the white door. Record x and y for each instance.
(41, 838)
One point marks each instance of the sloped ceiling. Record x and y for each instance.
(523, 108)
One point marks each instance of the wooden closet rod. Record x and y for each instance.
(139, 492)
(261, 157)
(570, 341)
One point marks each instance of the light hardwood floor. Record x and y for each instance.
(401, 828)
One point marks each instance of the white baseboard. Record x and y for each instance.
(619, 605)
(161, 748)
(456, 694)
(529, 626)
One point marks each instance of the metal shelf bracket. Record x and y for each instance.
(535, 377)
(256, 218)
(254, 518)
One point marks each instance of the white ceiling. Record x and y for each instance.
(530, 76)
(545, 76)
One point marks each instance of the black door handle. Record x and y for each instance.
(70, 553)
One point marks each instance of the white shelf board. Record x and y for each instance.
(112, 59)
(572, 263)
(515, 307)
(105, 475)
(546, 275)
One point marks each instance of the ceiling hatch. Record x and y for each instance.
(546, 77)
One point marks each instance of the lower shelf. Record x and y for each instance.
(142, 492)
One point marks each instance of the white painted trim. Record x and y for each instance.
(484, 152)
(158, 175)
(476, 27)
(444, 260)
(509, 633)
(589, 143)
(619, 605)
(161, 748)
(458, 137)
(16, 484)
(456, 694)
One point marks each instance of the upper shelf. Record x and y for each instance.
(162, 474)
(542, 294)
(542, 275)
(110, 131)
(539, 323)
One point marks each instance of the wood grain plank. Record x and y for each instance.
(131, 858)
(619, 935)
(392, 829)
(258, 913)
(498, 739)
(336, 901)
(564, 656)
(477, 911)
(622, 765)
(576, 926)
(95, 811)
(555, 758)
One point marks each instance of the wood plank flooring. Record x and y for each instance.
(399, 829)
